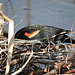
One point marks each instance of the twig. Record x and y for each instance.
(68, 72)
(18, 23)
(18, 71)
(13, 17)
(71, 31)
(3, 50)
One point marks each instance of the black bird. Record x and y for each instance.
(43, 32)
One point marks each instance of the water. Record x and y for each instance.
(59, 13)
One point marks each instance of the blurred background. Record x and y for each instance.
(58, 13)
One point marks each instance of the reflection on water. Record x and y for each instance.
(28, 13)
(7, 7)
(9, 10)
(74, 1)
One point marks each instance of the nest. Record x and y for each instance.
(39, 59)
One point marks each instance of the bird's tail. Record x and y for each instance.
(64, 38)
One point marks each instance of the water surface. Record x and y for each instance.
(59, 13)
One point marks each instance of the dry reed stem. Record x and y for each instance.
(71, 31)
